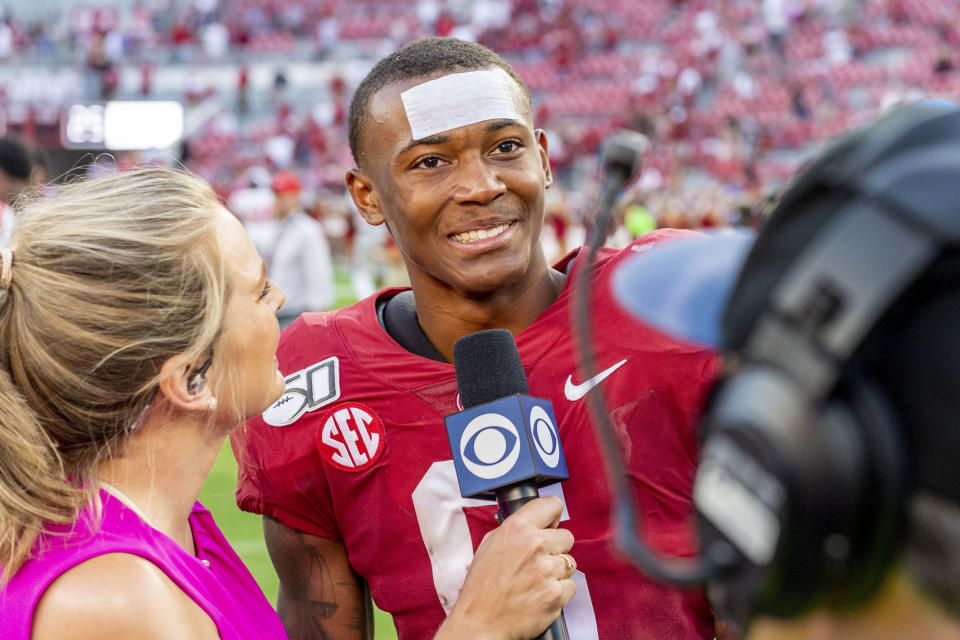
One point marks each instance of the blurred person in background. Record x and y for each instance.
(330, 211)
(557, 225)
(252, 201)
(295, 248)
(16, 170)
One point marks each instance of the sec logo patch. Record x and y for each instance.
(351, 436)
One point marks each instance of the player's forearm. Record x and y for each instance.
(320, 596)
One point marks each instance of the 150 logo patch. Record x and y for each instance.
(307, 390)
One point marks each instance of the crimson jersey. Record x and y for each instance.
(356, 450)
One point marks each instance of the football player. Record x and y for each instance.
(352, 467)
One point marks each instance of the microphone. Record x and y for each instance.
(620, 160)
(505, 443)
(621, 156)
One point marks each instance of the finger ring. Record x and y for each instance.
(571, 565)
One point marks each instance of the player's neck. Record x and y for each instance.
(447, 317)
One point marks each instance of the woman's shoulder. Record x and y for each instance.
(118, 595)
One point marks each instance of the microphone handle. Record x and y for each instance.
(556, 631)
(509, 499)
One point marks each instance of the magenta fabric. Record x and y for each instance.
(225, 589)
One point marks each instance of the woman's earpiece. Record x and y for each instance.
(196, 384)
(198, 379)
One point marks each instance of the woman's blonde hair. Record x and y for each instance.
(111, 276)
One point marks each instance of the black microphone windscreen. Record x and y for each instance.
(488, 367)
(622, 155)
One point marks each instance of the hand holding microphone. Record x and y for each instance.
(519, 579)
(505, 444)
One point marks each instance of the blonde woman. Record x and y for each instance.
(137, 329)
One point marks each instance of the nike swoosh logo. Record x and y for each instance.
(576, 391)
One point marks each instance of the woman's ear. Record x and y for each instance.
(183, 387)
(364, 195)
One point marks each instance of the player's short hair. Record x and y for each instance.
(418, 59)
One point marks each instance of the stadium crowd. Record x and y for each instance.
(733, 95)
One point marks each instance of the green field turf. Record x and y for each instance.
(242, 529)
(246, 536)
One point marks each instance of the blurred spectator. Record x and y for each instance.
(102, 68)
(556, 234)
(295, 249)
(330, 211)
(280, 83)
(15, 172)
(216, 40)
(6, 39)
(243, 88)
(146, 78)
(370, 267)
(736, 92)
(253, 201)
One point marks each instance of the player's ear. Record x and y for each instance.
(544, 157)
(364, 194)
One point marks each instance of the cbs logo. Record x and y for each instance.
(545, 438)
(490, 444)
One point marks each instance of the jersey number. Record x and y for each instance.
(443, 526)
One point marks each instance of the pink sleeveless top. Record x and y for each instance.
(215, 578)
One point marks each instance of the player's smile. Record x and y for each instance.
(484, 238)
(467, 237)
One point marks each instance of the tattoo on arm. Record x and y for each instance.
(320, 597)
(314, 605)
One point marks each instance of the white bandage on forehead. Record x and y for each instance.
(459, 99)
